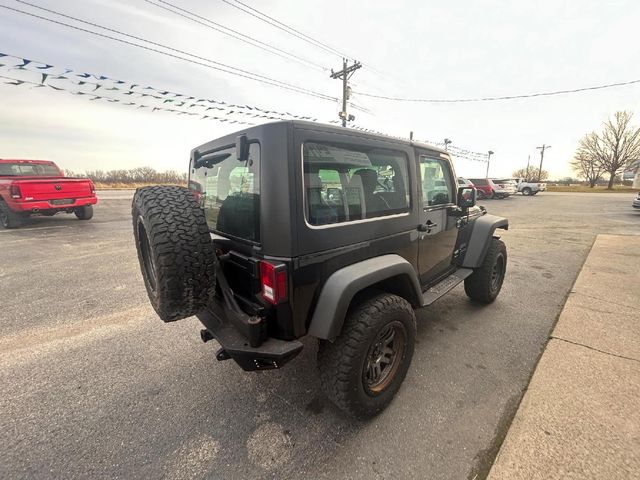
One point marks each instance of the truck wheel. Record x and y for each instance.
(175, 251)
(84, 213)
(363, 368)
(484, 284)
(526, 191)
(8, 218)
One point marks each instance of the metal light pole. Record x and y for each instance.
(446, 144)
(489, 153)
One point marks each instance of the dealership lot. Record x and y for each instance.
(94, 385)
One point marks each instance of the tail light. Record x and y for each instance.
(92, 187)
(14, 191)
(274, 282)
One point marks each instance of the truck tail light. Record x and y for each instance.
(93, 188)
(274, 282)
(14, 191)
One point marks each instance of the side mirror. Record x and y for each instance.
(466, 197)
(242, 148)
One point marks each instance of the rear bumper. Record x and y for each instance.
(270, 353)
(40, 205)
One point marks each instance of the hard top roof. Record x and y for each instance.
(321, 127)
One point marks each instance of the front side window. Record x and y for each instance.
(229, 192)
(437, 188)
(347, 182)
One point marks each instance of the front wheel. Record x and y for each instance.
(84, 213)
(365, 366)
(484, 285)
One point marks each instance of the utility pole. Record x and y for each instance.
(542, 149)
(446, 144)
(527, 174)
(489, 153)
(344, 75)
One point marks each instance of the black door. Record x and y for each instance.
(438, 229)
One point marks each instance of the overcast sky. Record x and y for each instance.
(420, 49)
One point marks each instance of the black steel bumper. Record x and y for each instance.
(266, 354)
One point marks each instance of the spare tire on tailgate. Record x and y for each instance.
(175, 251)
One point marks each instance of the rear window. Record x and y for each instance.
(478, 181)
(229, 192)
(345, 183)
(29, 169)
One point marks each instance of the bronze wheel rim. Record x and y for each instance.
(384, 357)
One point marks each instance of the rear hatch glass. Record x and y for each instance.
(229, 192)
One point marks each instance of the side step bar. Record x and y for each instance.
(438, 290)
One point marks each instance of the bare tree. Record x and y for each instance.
(615, 148)
(531, 175)
(587, 166)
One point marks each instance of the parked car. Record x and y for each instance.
(39, 187)
(463, 182)
(636, 202)
(484, 187)
(529, 188)
(303, 229)
(504, 187)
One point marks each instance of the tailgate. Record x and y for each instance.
(55, 188)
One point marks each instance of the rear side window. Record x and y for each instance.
(478, 181)
(229, 192)
(345, 183)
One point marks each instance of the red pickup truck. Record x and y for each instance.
(39, 187)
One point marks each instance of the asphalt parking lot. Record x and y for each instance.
(94, 385)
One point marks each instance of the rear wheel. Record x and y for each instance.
(526, 191)
(84, 213)
(484, 285)
(364, 367)
(175, 251)
(8, 218)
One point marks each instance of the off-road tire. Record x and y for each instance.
(9, 218)
(175, 251)
(84, 213)
(482, 286)
(526, 191)
(342, 362)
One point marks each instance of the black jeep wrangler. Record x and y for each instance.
(294, 228)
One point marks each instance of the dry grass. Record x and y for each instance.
(126, 186)
(586, 189)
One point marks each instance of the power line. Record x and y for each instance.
(222, 67)
(18, 82)
(130, 88)
(235, 34)
(505, 97)
(284, 27)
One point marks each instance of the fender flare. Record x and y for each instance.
(483, 232)
(341, 286)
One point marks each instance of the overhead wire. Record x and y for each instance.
(498, 98)
(206, 22)
(128, 88)
(282, 26)
(215, 65)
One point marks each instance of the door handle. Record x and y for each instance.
(426, 227)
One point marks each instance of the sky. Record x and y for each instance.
(417, 49)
